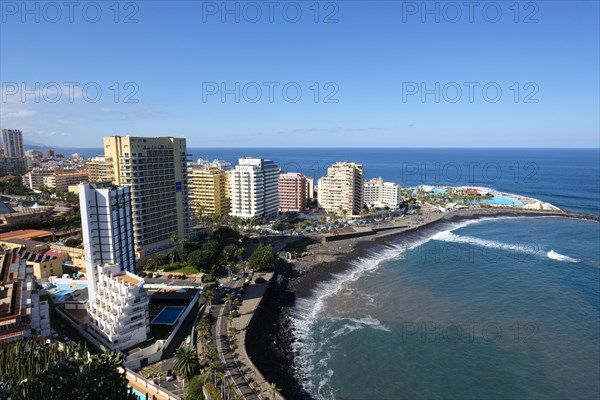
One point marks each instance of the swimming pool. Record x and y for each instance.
(503, 201)
(60, 295)
(168, 316)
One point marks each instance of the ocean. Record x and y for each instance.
(491, 309)
(494, 308)
(567, 178)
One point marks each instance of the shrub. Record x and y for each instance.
(263, 258)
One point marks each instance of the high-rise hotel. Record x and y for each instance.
(342, 189)
(13, 161)
(254, 185)
(209, 191)
(156, 171)
(117, 311)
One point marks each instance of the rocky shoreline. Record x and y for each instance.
(270, 334)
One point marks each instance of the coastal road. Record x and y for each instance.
(232, 371)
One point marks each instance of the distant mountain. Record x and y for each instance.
(27, 144)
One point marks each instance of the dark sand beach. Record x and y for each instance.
(270, 333)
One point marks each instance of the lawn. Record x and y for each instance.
(187, 270)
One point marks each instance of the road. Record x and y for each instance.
(232, 371)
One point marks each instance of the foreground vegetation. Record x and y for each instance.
(31, 371)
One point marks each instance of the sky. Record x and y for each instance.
(303, 73)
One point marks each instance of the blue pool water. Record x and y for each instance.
(138, 394)
(60, 295)
(501, 200)
(168, 316)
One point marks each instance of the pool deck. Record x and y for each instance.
(145, 386)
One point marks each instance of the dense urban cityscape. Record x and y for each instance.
(143, 252)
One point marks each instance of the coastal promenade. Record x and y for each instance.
(249, 383)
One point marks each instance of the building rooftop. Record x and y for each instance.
(132, 279)
(25, 234)
(5, 208)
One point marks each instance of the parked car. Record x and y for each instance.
(170, 375)
(178, 276)
(156, 275)
(170, 276)
(235, 277)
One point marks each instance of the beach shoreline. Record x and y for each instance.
(270, 336)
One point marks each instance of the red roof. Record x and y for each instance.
(54, 253)
(7, 178)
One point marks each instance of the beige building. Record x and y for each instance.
(99, 169)
(209, 191)
(61, 182)
(156, 171)
(34, 179)
(341, 190)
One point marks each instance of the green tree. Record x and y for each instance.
(228, 300)
(263, 258)
(201, 260)
(194, 390)
(186, 363)
(229, 253)
(15, 187)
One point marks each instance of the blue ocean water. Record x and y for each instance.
(567, 178)
(492, 309)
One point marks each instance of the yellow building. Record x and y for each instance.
(156, 171)
(99, 169)
(209, 191)
(45, 264)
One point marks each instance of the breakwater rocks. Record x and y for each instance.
(269, 337)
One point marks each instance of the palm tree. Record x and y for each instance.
(186, 363)
(273, 390)
(228, 299)
(207, 296)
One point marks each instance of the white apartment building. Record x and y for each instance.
(156, 171)
(382, 194)
(118, 303)
(106, 223)
(341, 190)
(118, 312)
(254, 188)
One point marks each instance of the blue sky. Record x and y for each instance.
(370, 61)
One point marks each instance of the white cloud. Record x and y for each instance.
(18, 113)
